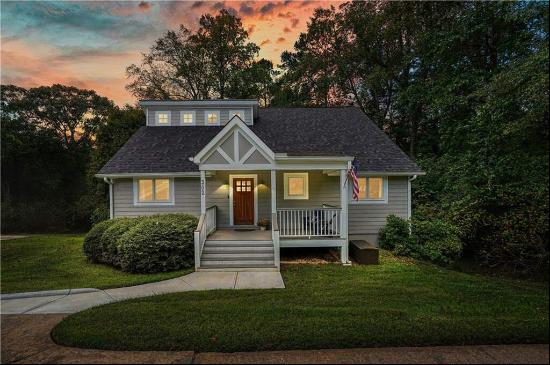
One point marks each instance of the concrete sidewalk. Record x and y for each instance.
(26, 339)
(76, 300)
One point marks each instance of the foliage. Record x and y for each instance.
(396, 232)
(110, 240)
(397, 303)
(464, 89)
(48, 262)
(92, 241)
(433, 240)
(216, 61)
(158, 244)
(99, 214)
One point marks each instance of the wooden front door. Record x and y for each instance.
(243, 201)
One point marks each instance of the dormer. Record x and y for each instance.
(198, 113)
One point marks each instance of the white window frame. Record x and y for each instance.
(193, 113)
(237, 111)
(163, 112)
(384, 199)
(303, 175)
(171, 185)
(206, 112)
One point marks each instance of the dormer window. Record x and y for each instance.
(187, 118)
(162, 118)
(239, 113)
(212, 117)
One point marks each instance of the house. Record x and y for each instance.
(233, 164)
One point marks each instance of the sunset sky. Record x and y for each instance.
(90, 44)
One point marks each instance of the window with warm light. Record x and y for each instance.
(372, 189)
(163, 118)
(154, 190)
(187, 118)
(212, 117)
(296, 185)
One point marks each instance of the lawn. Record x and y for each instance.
(44, 262)
(398, 303)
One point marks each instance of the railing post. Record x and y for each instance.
(203, 192)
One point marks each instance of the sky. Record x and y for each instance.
(90, 44)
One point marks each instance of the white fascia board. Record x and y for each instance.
(283, 157)
(403, 173)
(168, 174)
(228, 103)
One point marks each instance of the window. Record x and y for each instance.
(163, 118)
(239, 113)
(372, 189)
(296, 185)
(212, 117)
(149, 191)
(187, 118)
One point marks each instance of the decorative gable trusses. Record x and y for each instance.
(236, 147)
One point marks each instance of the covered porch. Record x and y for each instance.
(243, 184)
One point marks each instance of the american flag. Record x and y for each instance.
(352, 172)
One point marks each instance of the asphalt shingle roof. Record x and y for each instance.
(295, 131)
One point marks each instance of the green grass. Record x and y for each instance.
(398, 303)
(44, 262)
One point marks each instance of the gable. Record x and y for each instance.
(235, 147)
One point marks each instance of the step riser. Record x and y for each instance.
(232, 250)
(238, 243)
(232, 257)
(237, 263)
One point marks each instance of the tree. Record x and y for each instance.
(213, 62)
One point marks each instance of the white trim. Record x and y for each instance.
(231, 111)
(305, 176)
(222, 102)
(247, 155)
(147, 116)
(206, 112)
(243, 176)
(409, 196)
(228, 128)
(273, 192)
(163, 112)
(171, 185)
(376, 174)
(203, 192)
(224, 155)
(372, 201)
(148, 174)
(193, 113)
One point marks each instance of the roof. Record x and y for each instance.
(294, 131)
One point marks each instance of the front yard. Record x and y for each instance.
(43, 262)
(398, 303)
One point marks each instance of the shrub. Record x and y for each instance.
(99, 214)
(396, 232)
(432, 240)
(158, 244)
(92, 242)
(436, 241)
(110, 239)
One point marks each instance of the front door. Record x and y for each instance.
(243, 201)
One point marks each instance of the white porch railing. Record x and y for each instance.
(309, 222)
(275, 238)
(206, 226)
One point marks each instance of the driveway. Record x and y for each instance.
(26, 339)
(76, 300)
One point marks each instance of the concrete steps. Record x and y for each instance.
(237, 255)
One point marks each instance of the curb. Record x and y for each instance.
(47, 293)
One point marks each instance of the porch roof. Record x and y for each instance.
(343, 131)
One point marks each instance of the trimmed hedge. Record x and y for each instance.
(432, 240)
(145, 244)
(158, 244)
(92, 246)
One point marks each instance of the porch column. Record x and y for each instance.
(344, 216)
(273, 191)
(203, 192)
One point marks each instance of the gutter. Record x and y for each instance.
(111, 197)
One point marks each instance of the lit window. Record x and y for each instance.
(153, 190)
(163, 118)
(296, 185)
(188, 118)
(213, 118)
(372, 188)
(239, 113)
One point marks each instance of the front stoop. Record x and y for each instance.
(233, 255)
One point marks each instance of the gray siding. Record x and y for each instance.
(365, 220)
(323, 189)
(187, 199)
(199, 114)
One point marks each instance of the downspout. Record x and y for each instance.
(409, 196)
(111, 202)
